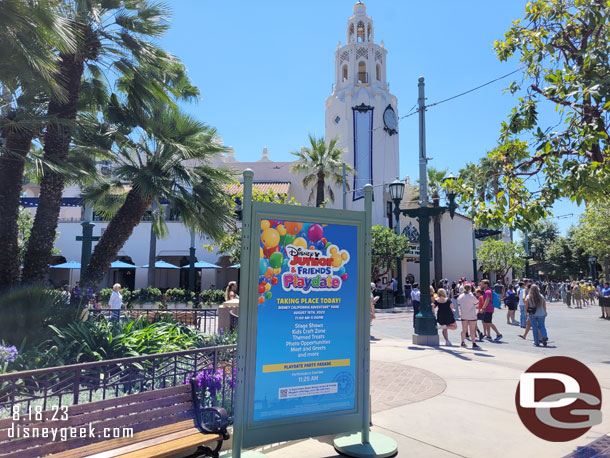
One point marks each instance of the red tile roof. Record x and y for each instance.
(278, 187)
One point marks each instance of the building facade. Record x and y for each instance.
(361, 113)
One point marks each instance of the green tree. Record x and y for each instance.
(30, 34)
(230, 243)
(499, 257)
(563, 47)
(321, 165)
(540, 238)
(592, 235)
(386, 248)
(115, 42)
(564, 258)
(171, 162)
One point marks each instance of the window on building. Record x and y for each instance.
(360, 31)
(369, 31)
(378, 72)
(362, 78)
(345, 72)
(351, 32)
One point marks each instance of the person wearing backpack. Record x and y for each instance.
(511, 302)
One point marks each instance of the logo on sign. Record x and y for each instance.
(314, 270)
(559, 399)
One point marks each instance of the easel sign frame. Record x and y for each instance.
(273, 403)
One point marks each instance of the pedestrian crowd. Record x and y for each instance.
(476, 304)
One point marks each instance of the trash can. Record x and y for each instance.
(387, 299)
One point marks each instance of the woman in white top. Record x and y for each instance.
(468, 304)
(116, 302)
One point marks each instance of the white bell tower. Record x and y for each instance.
(363, 114)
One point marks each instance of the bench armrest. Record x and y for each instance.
(212, 419)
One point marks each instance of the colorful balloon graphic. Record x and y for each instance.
(268, 295)
(292, 227)
(300, 241)
(281, 229)
(265, 224)
(276, 260)
(270, 237)
(344, 277)
(262, 266)
(315, 233)
(261, 299)
(269, 251)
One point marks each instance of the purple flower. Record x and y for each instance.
(210, 379)
(8, 354)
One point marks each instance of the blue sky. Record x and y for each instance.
(265, 68)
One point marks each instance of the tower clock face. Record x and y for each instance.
(390, 121)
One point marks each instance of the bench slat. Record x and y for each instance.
(129, 399)
(94, 417)
(43, 446)
(189, 436)
(186, 445)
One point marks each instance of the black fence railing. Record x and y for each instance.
(49, 388)
(205, 320)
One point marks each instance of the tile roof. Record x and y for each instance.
(278, 187)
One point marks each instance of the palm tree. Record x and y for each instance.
(30, 33)
(322, 166)
(171, 162)
(116, 36)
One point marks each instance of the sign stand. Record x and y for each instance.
(303, 350)
(365, 443)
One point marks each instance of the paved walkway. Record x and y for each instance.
(475, 415)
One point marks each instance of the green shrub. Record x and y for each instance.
(176, 295)
(212, 296)
(146, 295)
(27, 312)
(81, 342)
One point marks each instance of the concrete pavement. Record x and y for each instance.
(467, 407)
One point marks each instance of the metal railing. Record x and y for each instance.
(90, 382)
(205, 320)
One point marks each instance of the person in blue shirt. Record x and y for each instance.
(604, 301)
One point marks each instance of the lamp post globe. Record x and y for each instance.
(397, 189)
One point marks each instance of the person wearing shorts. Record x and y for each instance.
(488, 310)
(468, 305)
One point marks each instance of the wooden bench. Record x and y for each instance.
(164, 423)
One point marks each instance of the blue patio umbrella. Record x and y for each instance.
(162, 265)
(67, 265)
(122, 265)
(203, 265)
(235, 266)
(71, 265)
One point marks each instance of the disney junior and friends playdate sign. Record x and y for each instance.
(307, 302)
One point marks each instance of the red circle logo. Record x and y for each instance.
(559, 399)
